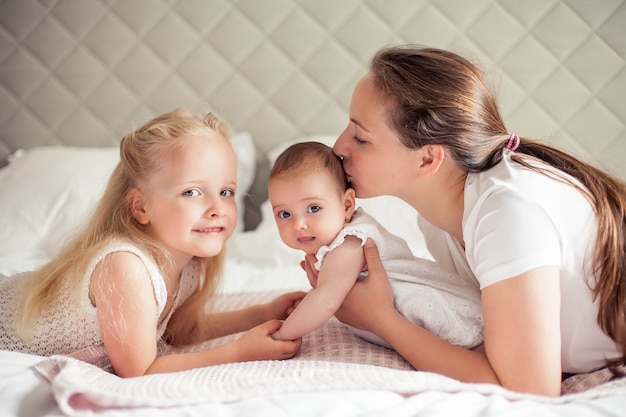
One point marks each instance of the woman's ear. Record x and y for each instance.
(349, 203)
(430, 158)
(135, 201)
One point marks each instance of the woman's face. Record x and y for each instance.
(375, 161)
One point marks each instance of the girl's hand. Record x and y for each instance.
(374, 290)
(283, 305)
(257, 343)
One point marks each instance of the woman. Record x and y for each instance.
(541, 232)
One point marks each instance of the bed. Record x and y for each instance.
(45, 192)
(77, 75)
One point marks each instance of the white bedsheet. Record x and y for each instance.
(22, 394)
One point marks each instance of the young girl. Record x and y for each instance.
(147, 263)
(314, 209)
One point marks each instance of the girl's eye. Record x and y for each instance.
(283, 215)
(314, 209)
(358, 140)
(191, 193)
(227, 193)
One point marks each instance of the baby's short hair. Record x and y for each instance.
(309, 157)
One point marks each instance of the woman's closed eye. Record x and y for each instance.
(358, 140)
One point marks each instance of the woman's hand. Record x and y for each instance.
(311, 273)
(257, 343)
(283, 305)
(357, 308)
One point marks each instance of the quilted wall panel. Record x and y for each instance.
(83, 72)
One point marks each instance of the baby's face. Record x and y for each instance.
(309, 210)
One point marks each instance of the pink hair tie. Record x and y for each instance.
(513, 142)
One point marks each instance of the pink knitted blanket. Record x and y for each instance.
(331, 358)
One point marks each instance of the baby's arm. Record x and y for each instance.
(335, 279)
(222, 323)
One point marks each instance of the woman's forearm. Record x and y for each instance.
(426, 352)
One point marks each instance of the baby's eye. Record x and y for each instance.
(283, 214)
(227, 193)
(191, 193)
(314, 209)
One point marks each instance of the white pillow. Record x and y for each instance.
(394, 214)
(46, 192)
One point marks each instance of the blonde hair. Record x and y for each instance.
(141, 154)
(438, 97)
(308, 157)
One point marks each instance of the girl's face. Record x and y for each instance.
(309, 210)
(190, 202)
(375, 161)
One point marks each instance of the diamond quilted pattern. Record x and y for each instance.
(583, 62)
(171, 39)
(298, 25)
(20, 74)
(110, 40)
(495, 20)
(203, 15)
(570, 31)
(561, 95)
(607, 31)
(78, 16)
(80, 71)
(431, 27)
(529, 63)
(84, 72)
(19, 18)
(49, 42)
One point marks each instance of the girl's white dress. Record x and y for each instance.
(69, 325)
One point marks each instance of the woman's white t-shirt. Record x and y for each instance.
(515, 220)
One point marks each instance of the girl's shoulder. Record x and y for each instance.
(119, 245)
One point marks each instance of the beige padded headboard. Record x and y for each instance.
(83, 72)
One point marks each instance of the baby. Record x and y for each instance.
(315, 211)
